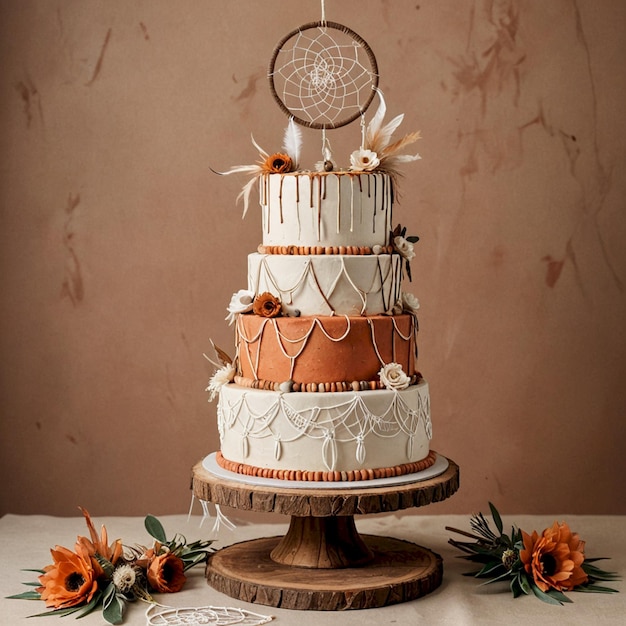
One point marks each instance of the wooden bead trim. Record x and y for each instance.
(316, 250)
(331, 476)
(355, 385)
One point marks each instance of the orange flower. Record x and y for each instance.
(166, 573)
(266, 305)
(70, 580)
(100, 545)
(555, 558)
(278, 164)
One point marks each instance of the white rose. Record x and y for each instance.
(364, 160)
(241, 302)
(409, 302)
(404, 247)
(222, 377)
(392, 376)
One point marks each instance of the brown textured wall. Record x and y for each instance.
(120, 249)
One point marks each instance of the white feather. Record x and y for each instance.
(385, 133)
(376, 122)
(292, 143)
(258, 147)
(245, 194)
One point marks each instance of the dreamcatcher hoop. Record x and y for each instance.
(320, 90)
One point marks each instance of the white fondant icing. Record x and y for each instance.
(326, 209)
(328, 284)
(324, 431)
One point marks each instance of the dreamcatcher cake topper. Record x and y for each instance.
(323, 76)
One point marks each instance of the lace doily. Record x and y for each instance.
(158, 615)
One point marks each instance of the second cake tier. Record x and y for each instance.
(339, 351)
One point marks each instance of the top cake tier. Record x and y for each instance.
(326, 209)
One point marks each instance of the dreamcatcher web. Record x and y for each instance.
(324, 75)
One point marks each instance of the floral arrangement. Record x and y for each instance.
(378, 152)
(98, 575)
(546, 564)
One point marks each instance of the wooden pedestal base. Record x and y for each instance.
(322, 563)
(398, 571)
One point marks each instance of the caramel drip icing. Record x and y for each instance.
(321, 193)
(339, 204)
(375, 198)
(280, 197)
(297, 179)
(265, 200)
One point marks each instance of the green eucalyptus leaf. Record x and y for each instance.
(113, 611)
(25, 595)
(497, 520)
(523, 582)
(551, 597)
(155, 528)
(595, 589)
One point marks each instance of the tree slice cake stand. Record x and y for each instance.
(323, 563)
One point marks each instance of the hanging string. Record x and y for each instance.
(323, 12)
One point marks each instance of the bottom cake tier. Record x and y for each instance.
(352, 435)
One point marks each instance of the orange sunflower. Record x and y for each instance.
(70, 580)
(554, 559)
(166, 573)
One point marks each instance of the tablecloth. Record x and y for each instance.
(460, 600)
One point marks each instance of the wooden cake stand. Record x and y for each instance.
(322, 563)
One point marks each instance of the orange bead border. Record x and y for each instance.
(319, 250)
(330, 476)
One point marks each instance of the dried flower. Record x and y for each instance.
(364, 160)
(222, 376)
(124, 577)
(410, 303)
(509, 557)
(70, 580)
(165, 573)
(555, 558)
(393, 377)
(277, 164)
(404, 247)
(241, 302)
(267, 305)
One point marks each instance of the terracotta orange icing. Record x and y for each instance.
(324, 349)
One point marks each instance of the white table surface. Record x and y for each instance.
(26, 541)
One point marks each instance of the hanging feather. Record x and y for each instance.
(376, 122)
(379, 136)
(221, 356)
(292, 143)
(391, 150)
